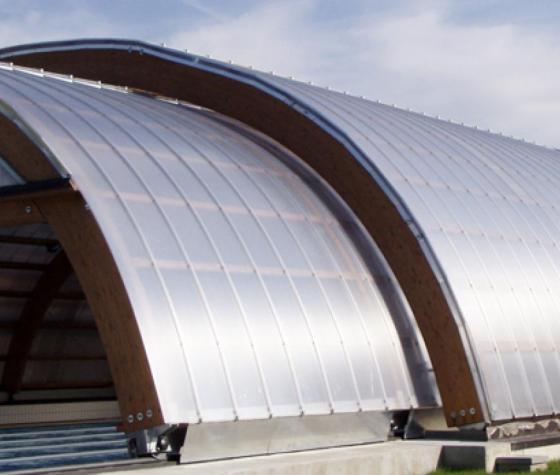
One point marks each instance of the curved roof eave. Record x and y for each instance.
(402, 240)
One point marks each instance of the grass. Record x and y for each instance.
(553, 469)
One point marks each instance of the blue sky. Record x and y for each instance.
(490, 63)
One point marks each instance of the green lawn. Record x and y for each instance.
(553, 469)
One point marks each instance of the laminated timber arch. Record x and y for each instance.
(264, 105)
(48, 197)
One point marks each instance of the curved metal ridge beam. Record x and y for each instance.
(31, 318)
(91, 260)
(248, 97)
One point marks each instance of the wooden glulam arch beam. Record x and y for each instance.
(135, 66)
(66, 212)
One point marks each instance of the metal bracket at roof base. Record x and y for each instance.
(163, 440)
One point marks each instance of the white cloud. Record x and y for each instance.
(498, 76)
(503, 77)
(203, 8)
(34, 24)
(268, 37)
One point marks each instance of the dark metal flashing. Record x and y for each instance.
(17, 191)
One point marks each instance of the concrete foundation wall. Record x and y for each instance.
(389, 458)
(417, 457)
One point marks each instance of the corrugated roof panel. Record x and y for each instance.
(252, 299)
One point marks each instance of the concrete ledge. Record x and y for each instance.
(388, 458)
(403, 457)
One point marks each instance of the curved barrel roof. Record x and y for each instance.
(467, 219)
(257, 292)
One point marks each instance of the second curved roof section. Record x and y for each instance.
(487, 205)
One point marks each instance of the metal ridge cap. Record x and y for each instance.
(63, 44)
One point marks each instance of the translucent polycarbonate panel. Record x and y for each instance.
(251, 298)
(488, 207)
